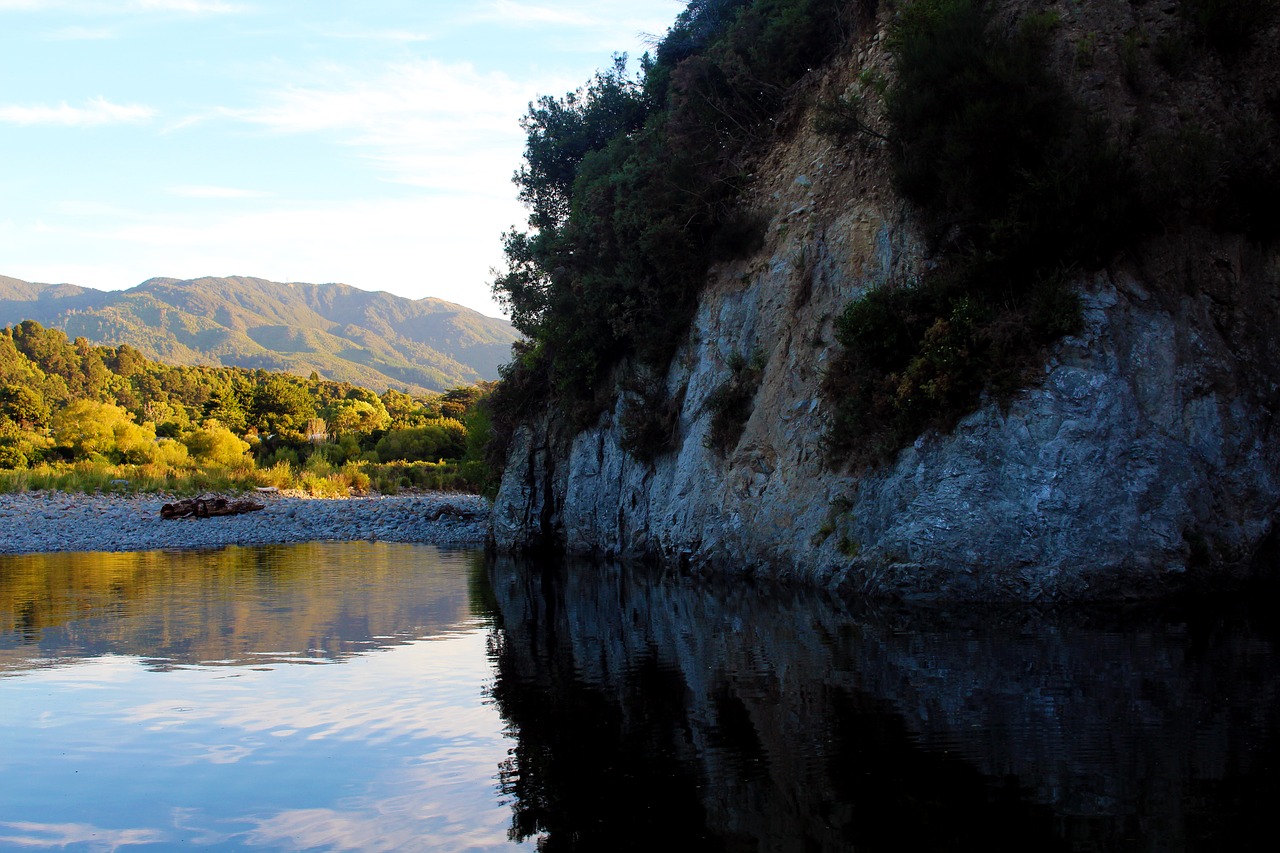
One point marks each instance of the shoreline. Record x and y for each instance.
(50, 521)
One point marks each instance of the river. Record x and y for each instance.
(375, 696)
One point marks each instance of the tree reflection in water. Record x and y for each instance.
(651, 708)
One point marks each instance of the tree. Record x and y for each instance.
(214, 444)
(126, 361)
(281, 407)
(403, 409)
(88, 427)
(224, 406)
(48, 348)
(354, 416)
(561, 132)
(93, 378)
(24, 406)
(456, 402)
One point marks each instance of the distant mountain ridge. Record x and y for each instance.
(374, 339)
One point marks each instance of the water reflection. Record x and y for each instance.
(761, 719)
(156, 701)
(315, 602)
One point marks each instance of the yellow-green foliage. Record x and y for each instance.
(354, 415)
(279, 475)
(87, 427)
(214, 444)
(443, 438)
(171, 453)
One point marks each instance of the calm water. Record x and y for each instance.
(325, 696)
(391, 697)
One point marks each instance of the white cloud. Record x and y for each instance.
(416, 148)
(115, 7)
(440, 245)
(74, 207)
(598, 27)
(193, 6)
(427, 123)
(561, 15)
(97, 111)
(399, 36)
(31, 834)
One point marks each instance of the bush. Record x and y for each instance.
(323, 486)
(170, 454)
(649, 418)
(20, 448)
(731, 403)
(87, 427)
(280, 475)
(12, 457)
(1016, 186)
(1226, 180)
(444, 438)
(1000, 161)
(214, 444)
(356, 478)
(841, 118)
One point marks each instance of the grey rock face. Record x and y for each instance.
(1147, 449)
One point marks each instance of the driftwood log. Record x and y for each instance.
(207, 507)
(449, 512)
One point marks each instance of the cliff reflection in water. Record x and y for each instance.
(762, 719)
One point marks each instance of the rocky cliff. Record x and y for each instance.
(1143, 451)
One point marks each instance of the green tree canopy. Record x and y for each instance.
(24, 406)
(281, 406)
(353, 415)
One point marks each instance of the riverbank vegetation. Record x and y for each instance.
(1020, 186)
(79, 417)
(632, 184)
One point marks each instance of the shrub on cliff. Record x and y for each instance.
(1015, 184)
(631, 185)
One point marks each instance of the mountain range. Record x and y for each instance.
(373, 339)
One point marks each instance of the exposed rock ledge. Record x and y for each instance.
(1148, 453)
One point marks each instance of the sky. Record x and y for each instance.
(370, 142)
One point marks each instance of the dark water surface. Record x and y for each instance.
(368, 696)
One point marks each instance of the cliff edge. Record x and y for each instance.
(1138, 456)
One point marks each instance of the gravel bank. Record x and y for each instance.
(57, 521)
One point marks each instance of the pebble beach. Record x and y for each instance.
(34, 522)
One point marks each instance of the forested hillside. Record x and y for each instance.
(72, 406)
(376, 340)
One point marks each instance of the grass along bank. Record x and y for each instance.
(316, 478)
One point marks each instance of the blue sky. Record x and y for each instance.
(365, 141)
